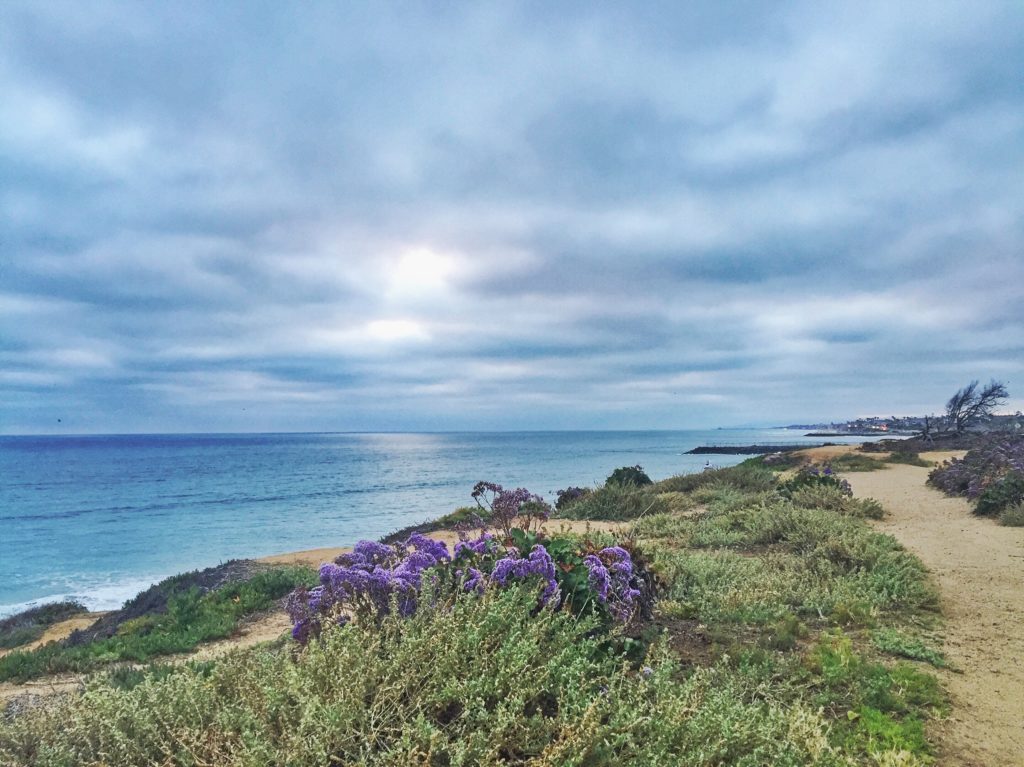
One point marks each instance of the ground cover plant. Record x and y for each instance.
(783, 631)
(190, 617)
(855, 462)
(991, 474)
(28, 626)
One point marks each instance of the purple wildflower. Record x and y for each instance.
(599, 579)
(480, 546)
(475, 581)
(437, 550)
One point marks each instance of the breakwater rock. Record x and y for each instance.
(749, 449)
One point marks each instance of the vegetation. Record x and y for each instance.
(616, 503)
(991, 474)
(29, 625)
(749, 476)
(771, 627)
(629, 475)
(909, 458)
(190, 618)
(1012, 516)
(972, 404)
(855, 462)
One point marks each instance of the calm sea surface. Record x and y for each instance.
(102, 517)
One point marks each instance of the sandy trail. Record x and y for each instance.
(979, 567)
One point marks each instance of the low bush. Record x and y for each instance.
(1001, 494)
(815, 476)
(855, 462)
(909, 459)
(991, 459)
(904, 645)
(1012, 516)
(616, 503)
(629, 475)
(749, 476)
(567, 497)
(833, 498)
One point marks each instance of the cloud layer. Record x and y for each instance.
(256, 216)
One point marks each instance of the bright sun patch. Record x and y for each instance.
(396, 330)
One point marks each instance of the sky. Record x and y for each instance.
(269, 216)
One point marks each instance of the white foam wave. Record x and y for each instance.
(109, 595)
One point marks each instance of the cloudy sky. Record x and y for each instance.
(333, 216)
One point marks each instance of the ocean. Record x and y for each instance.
(99, 518)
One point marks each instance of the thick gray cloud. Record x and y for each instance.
(256, 216)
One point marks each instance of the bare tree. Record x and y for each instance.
(971, 404)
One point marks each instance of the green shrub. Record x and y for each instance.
(815, 476)
(1012, 516)
(903, 645)
(616, 503)
(855, 462)
(629, 475)
(1004, 492)
(747, 476)
(909, 458)
(490, 682)
(832, 498)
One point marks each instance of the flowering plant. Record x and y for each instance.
(508, 509)
(376, 580)
(983, 466)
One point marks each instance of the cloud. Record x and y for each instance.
(510, 215)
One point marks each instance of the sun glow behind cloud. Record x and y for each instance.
(418, 272)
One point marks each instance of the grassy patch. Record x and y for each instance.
(190, 618)
(904, 645)
(1012, 516)
(616, 503)
(856, 462)
(29, 625)
(751, 475)
(909, 459)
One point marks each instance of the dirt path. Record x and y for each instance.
(979, 567)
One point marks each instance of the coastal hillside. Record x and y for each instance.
(749, 615)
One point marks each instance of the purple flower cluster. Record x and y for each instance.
(538, 563)
(485, 544)
(611, 580)
(983, 465)
(366, 582)
(504, 506)
(375, 580)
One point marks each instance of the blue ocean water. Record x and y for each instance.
(100, 518)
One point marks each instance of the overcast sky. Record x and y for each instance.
(334, 216)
